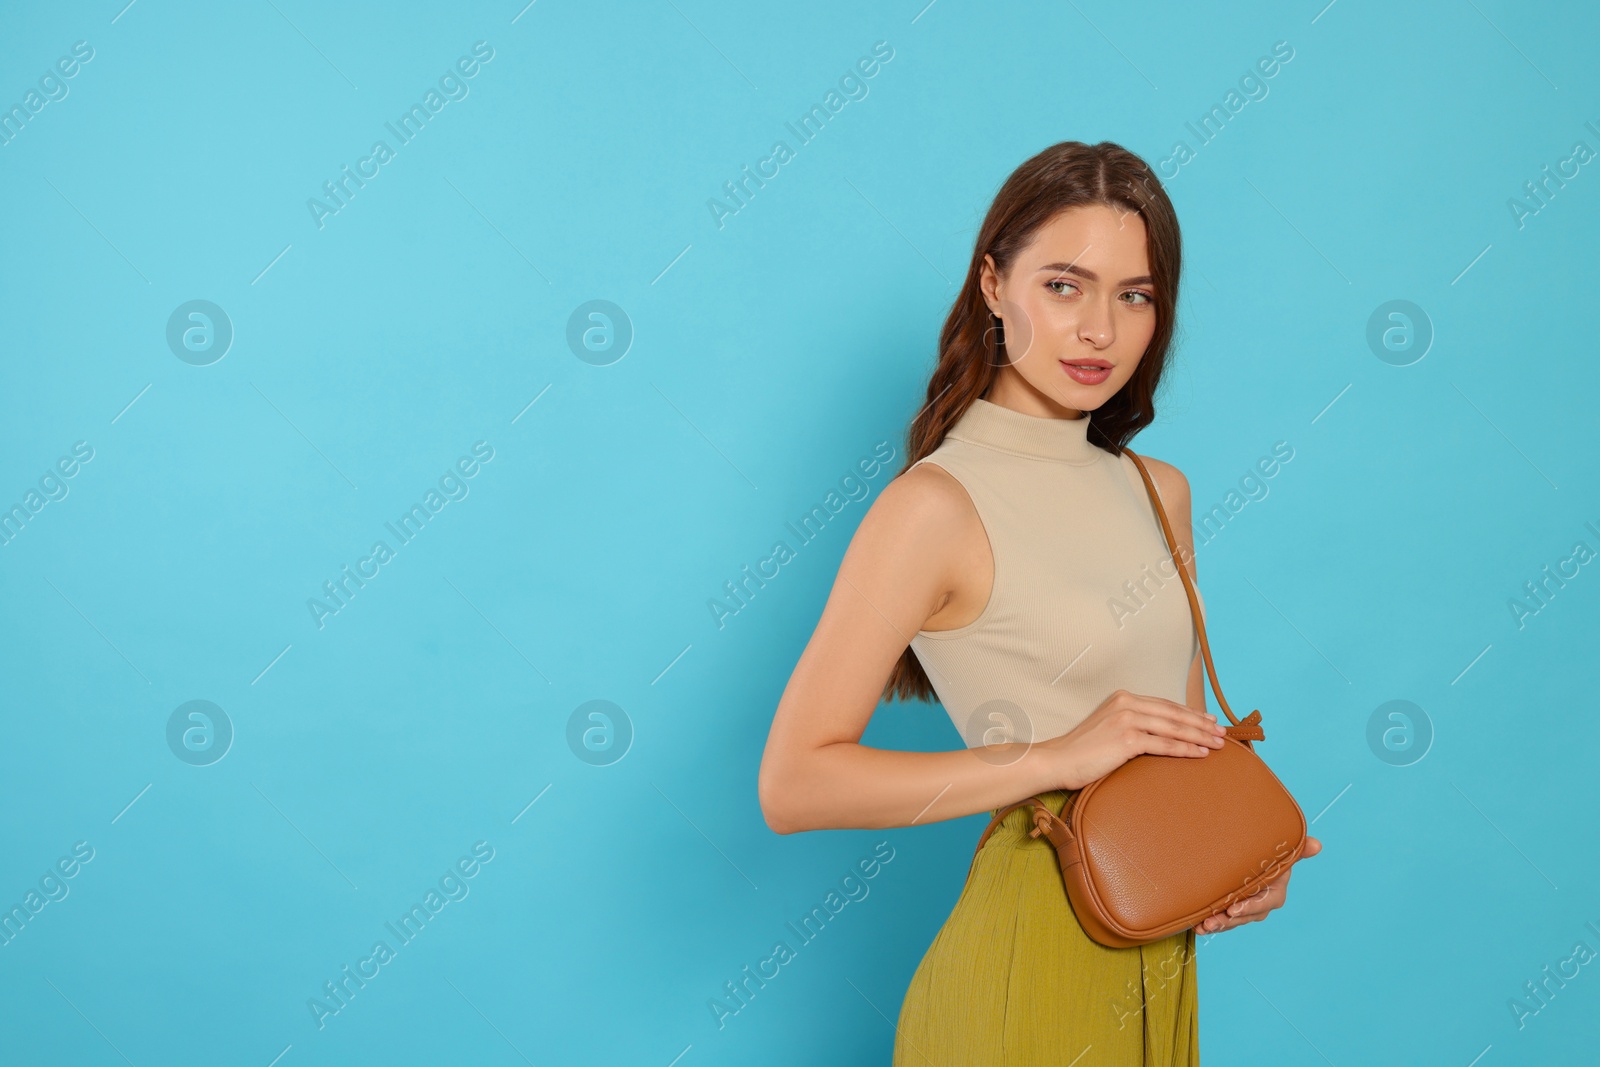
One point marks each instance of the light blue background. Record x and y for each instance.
(769, 356)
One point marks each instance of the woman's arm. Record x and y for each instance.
(900, 568)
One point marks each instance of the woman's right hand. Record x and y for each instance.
(1126, 725)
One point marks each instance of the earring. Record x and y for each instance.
(994, 337)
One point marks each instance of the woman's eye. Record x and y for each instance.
(1143, 297)
(1051, 285)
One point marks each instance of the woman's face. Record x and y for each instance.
(1078, 310)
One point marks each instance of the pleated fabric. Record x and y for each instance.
(1012, 980)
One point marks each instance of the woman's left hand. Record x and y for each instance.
(1255, 908)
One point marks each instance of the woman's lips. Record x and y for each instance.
(1087, 371)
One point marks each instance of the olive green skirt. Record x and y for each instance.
(1012, 980)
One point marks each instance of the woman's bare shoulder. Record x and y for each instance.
(917, 512)
(1174, 487)
(925, 493)
(923, 535)
(913, 526)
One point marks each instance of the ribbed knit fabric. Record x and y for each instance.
(1085, 600)
(1012, 980)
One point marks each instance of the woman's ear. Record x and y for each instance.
(989, 284)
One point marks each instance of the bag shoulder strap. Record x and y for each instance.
(1246, 730)
(1188, 588)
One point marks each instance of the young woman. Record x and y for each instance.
(1008, 570)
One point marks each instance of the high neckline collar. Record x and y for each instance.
(996, 426)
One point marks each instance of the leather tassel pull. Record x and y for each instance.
(1248, 728)
(1041, 821)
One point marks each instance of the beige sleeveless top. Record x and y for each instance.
(1086, 599)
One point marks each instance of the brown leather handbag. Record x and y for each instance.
(1162, 842)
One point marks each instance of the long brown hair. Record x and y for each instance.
(972, 343)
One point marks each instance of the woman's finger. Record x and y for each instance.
(1200, 733)
(1251, 903)
(1250, 913)
(1258, 905)
(1261, 902)
(1172, 711)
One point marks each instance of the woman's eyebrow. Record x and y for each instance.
(1085, 272)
